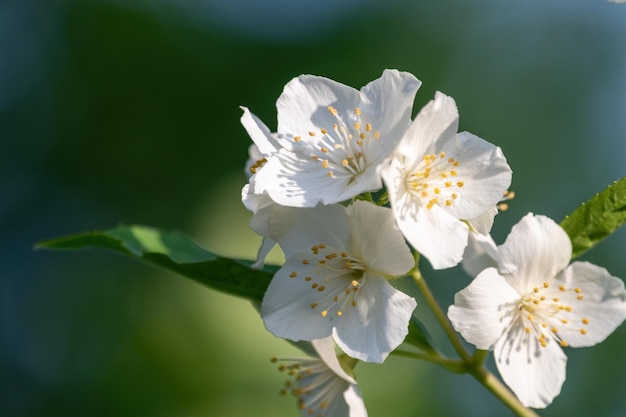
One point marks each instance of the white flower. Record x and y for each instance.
(333, 139)
(334, 280)
(534, 304)
(322, 387)
(438, 177)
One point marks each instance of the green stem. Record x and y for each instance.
(453, 365)
(471, 364)
(438, 312)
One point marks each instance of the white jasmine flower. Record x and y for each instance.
(437, 178)
(333, 139)
(534, 304)
(322, 387)
(335, 278)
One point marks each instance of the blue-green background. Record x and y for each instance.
(117, 113)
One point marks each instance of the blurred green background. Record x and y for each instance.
(127, 112)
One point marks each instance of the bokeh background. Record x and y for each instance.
(127, 112)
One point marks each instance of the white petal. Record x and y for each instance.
(437, 235)
(484, 310)
(439, 118)
(482, 223)
(535, 251)
(293, 179)
(303, 104)
(325, 349)
(534, 373)
(481, 253)
(378, 240)
(483, 170)
(597, 308)
(286, 307)
(266, 246)
(378, 323)
(388, 101)
(298, 229)
(352, 397)
(259, 133)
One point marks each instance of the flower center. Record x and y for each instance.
(543, 312)
(331, 265)
(341, 149)
(311, 382)
(435, 181)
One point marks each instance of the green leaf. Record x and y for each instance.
(597, 219)
(177, 253)
(419, 337)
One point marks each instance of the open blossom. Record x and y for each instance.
(534, 304)
(335, 278)
(438, 178)
(332, 139)
(322, 387)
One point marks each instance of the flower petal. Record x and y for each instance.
(377, 324)
(484, 310)
(483, 170)
(481, 253)
(354, 400)
(287, 305)
(435, 234)
(534, 373)
(297, 229)
(259, 133)
(439, 118)
(388, 101)
(382, 246)
(325, 349)
(536, 250)
(303, 104)
(596, 301)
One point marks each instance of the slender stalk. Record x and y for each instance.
(470, 364)
(439, 314)
(453, 365)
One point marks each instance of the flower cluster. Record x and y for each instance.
(311, 187)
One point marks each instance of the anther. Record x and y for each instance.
(311, 134)
(308, 278)
(293, 274)
(305, 261)
(585, 321)
(324, 131)
(324, 313)
(297, 138)
(314, 285)
(583, 331)
(332, 110)
(321, 288)
(460, 183)
(313, 305)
